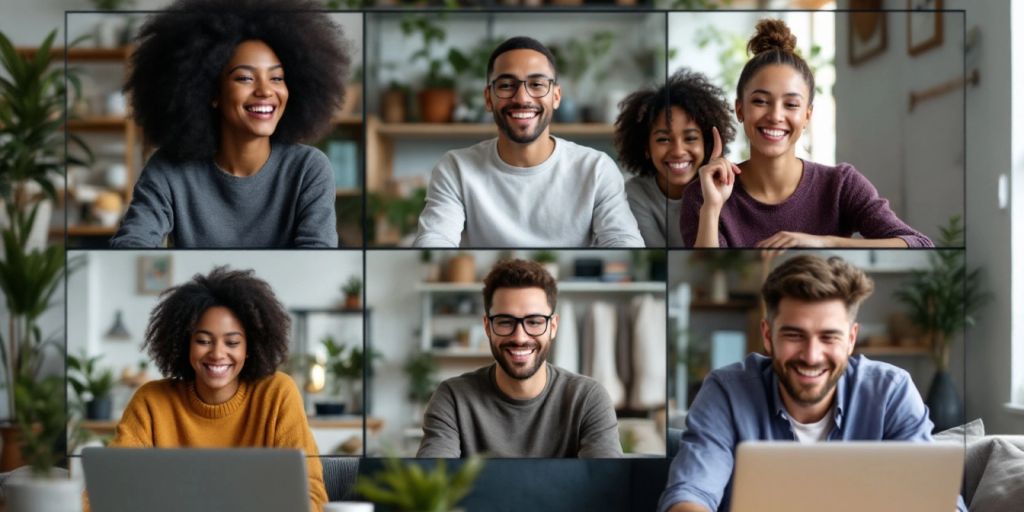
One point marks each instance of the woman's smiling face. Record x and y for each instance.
(775, 109)
(253, 94)
(676, 149)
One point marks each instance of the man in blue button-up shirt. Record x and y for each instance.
(807, 389)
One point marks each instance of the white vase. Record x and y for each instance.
(33, 494)
(719, 287)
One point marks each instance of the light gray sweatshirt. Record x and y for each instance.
(649, 205)
(575, 198)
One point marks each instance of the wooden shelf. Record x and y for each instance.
(348, 192)
(435, 130)
(117, 55)
(98, 124)
(460, 354)
(348, 120)
(91, 230)
(731, 305)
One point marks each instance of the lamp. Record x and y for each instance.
(118, 331)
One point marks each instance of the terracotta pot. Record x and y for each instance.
(461, 269)
(392, 106)
(353, 103)
(436, 105)
(353, 302)
(10, 457)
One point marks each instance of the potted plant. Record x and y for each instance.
(549, 260)
(942, 301)
(345, 366)
(112, 31)
(407, 487)
(720, 263)
(574, 58)
(353, 290)
(91, 385)
(393, 101)
(437, 98)
(421, 369)
(461, 268)
(41, 422)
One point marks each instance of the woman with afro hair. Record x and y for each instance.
(775, 200)
(662, 135)
(227, 90)
(219, 339)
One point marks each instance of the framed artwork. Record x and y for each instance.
(867, 31)
(154, 274)
(924, 29)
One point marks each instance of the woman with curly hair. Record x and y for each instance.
(219, 339)
(227, 90)
(662, 136)
(775, 200)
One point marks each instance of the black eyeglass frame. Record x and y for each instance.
(522, 83)
(521, 321)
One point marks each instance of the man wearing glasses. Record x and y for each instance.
(526, 188)
(521, 406)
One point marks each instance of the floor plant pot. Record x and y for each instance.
(944, 406)
(27, 493)
(10, 444)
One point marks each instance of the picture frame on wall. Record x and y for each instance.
(154, 274)
(924, 28)
(868, 34)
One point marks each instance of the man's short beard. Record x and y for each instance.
(543, 121)
(540, 357)
(795, 393)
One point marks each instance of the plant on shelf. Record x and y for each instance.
(395, 217)
(345, 366)
(549, 260)
(407, 486)
(437, 96)
(421, 368)
(575, 59)
(92, 386)
(942, 300)
(353, 289)
(720, 264)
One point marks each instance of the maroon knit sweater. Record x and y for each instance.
(837, 201)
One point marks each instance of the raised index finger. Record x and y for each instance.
(716, 150)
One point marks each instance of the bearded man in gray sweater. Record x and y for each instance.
(526, 188)
(520, 406)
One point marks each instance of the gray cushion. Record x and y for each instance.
(1001, 487)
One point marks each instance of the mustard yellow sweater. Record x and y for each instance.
(265, 413)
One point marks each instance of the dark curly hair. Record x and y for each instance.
(182, 51)
(688, 90)
(519, 274)
(249, 298)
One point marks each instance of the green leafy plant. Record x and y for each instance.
(400, 212)
(111, 5)
(408, 487)
(354, 286)
(345, 363)
(944, 298)
(421, 368)
(88, 381)
(432, 34)
(41, 420)
(574, 57)
(727, 260)
(545, 256)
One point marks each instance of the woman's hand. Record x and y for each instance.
(718, 176)
(787, 239)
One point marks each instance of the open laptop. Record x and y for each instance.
(195, 479)
(879, 476)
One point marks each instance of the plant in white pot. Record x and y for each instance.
(41, 423)
(91, 385)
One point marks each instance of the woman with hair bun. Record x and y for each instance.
(219, 340)
(662, 135)
(775, 200)
(227, 90)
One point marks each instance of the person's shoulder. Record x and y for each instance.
(639, 185)
(468, 158)
(878, 373)
(470, 381)
(751, 368)
(585, 155)
(841, 172)
(160, 390)
(276, 381)
(308, 155)
(574, 383)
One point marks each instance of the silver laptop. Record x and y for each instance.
(879, 476)
(195, 479)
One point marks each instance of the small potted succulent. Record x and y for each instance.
(353, 290)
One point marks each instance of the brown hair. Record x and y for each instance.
(519, 274)
(810, 278)
(773, 44)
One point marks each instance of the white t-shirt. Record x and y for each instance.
(814, 432)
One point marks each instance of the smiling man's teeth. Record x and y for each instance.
(521, 352)
(523, 115)
(810, 372)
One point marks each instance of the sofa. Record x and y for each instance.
(993, 478)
